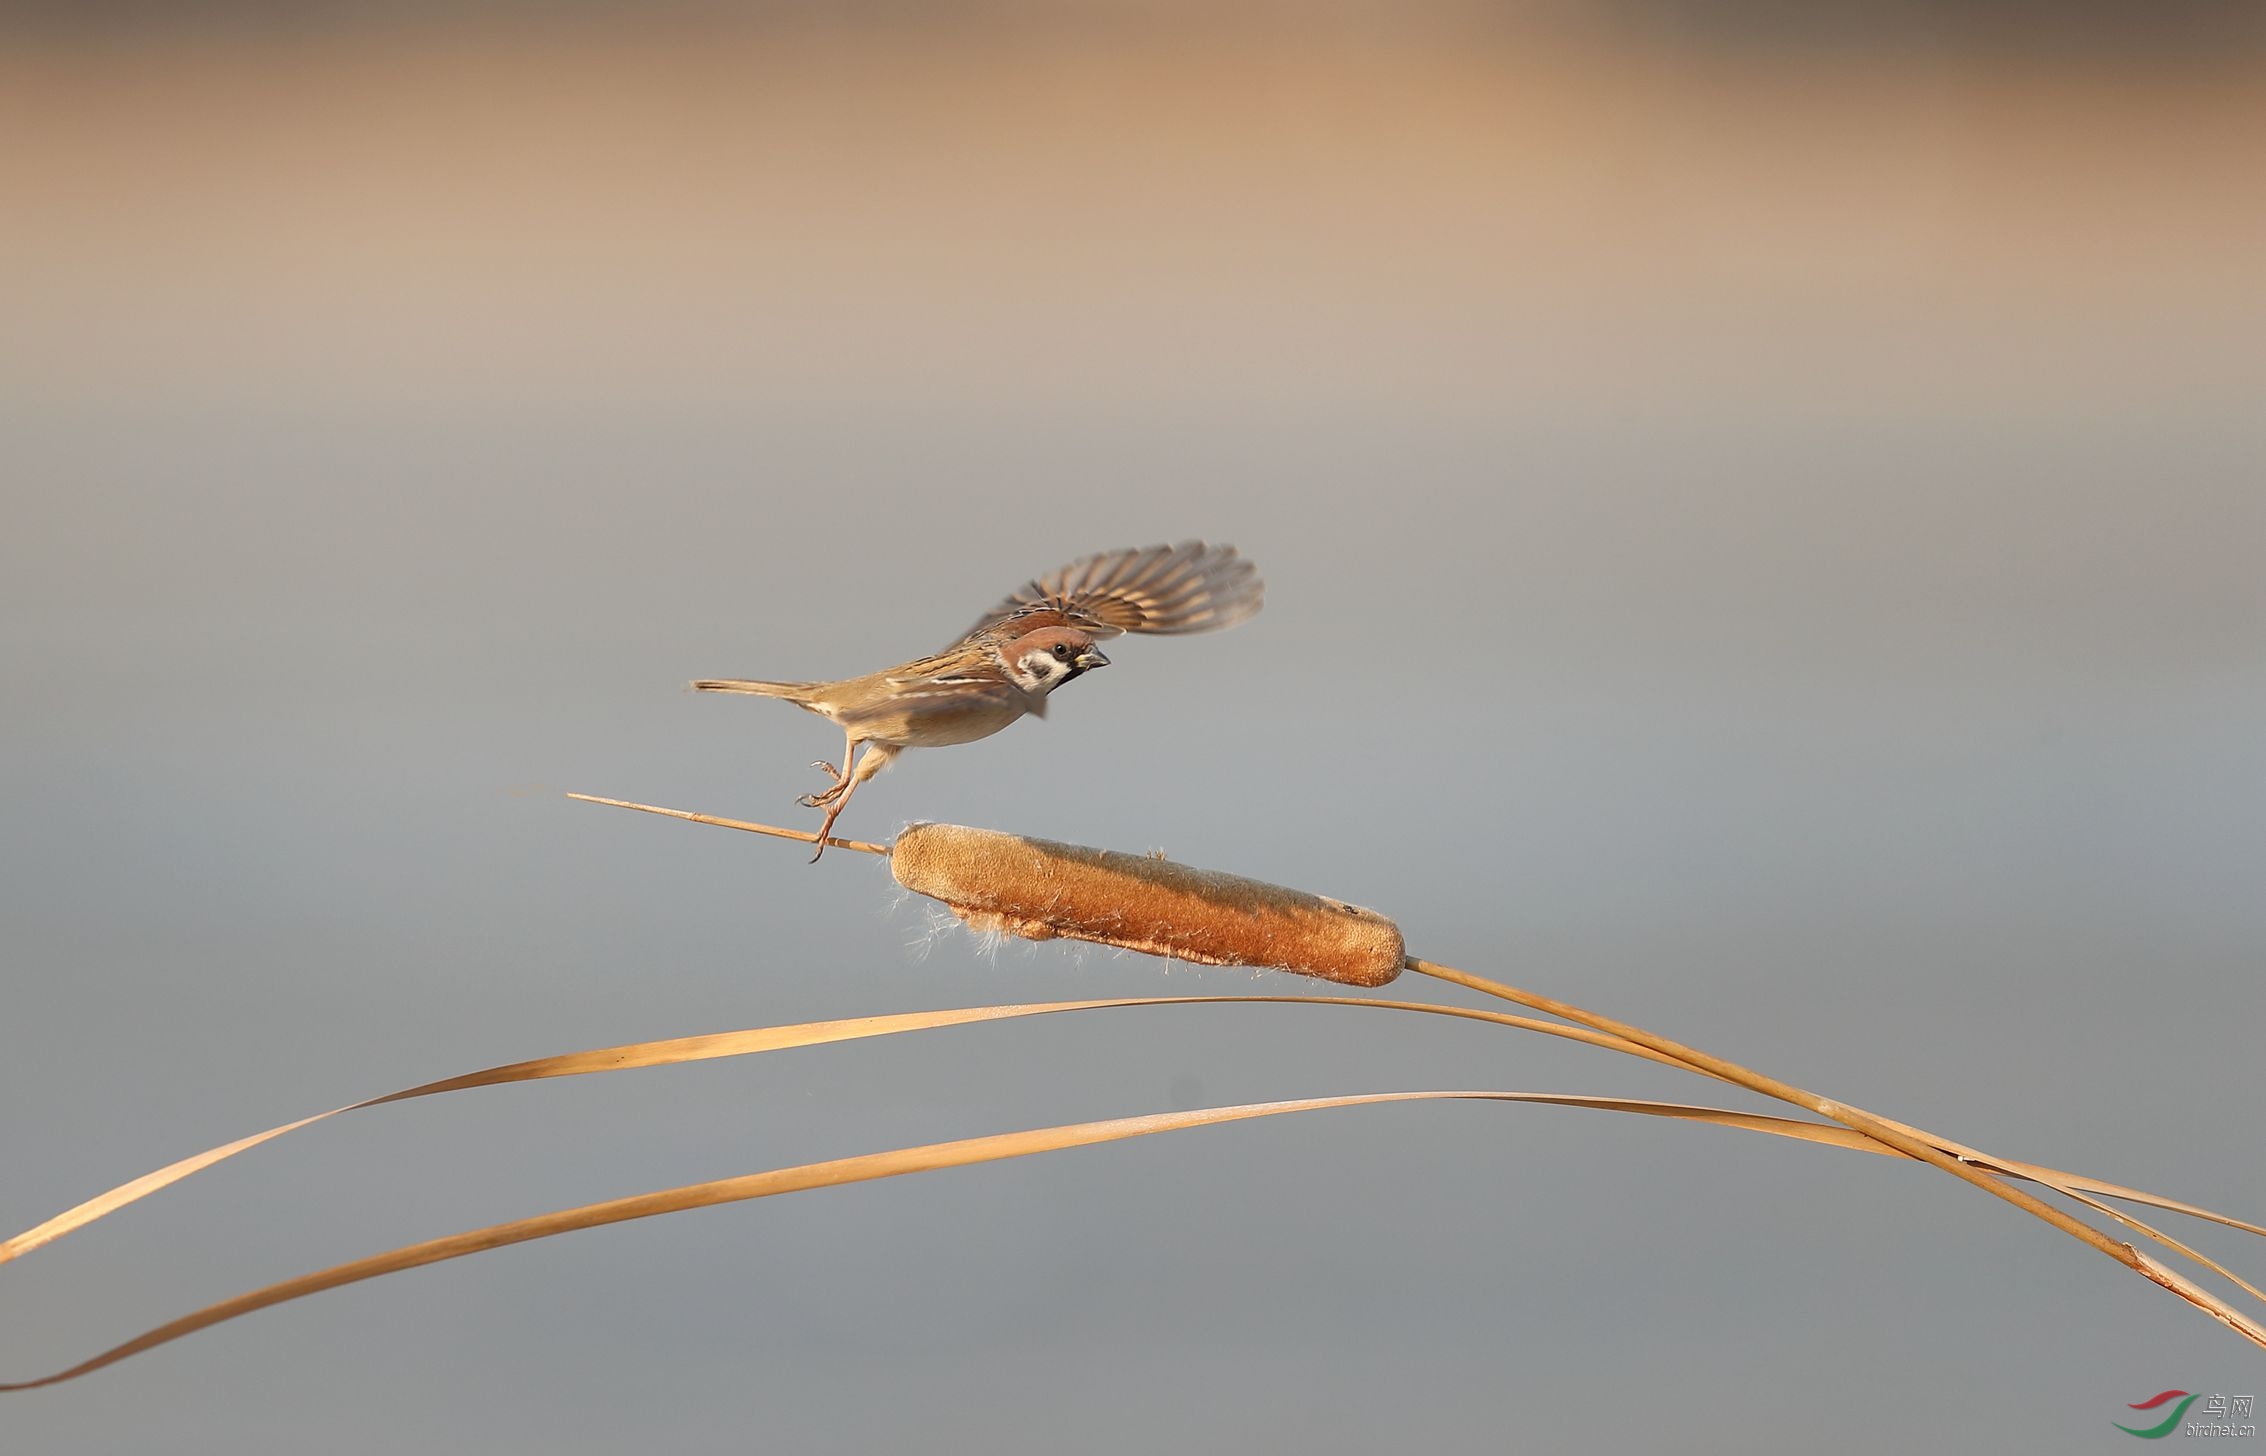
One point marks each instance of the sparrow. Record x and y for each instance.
(1016, 654)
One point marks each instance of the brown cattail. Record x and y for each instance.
(1038, 889)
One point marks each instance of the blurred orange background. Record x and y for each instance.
(1446, 207)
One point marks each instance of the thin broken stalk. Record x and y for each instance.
(771, 829)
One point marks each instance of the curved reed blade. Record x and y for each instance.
(674, 1050)
(868, 1167)
(750, 1042)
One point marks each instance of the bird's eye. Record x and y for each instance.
(1062, 650)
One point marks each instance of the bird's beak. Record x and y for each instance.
(1089, 659)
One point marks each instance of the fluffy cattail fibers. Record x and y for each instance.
(1038, 889)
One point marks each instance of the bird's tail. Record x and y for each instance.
(793, 692)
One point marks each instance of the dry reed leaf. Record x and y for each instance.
(675, 1050)
(867, 1167)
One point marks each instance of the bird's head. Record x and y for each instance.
(1044, 659)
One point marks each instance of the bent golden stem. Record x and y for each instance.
(1909, 1141)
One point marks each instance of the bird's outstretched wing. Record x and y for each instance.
(1191, 587)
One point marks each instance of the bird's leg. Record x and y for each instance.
(877, 756)
(841, 777)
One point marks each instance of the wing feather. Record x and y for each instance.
(1190, 587)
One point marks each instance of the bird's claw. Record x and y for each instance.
(829, 794)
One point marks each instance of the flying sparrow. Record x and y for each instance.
(1021, 650)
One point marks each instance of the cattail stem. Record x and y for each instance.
(1040, 890)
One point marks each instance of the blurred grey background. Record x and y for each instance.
(1762, 518)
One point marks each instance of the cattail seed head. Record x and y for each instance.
(1038, 889)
